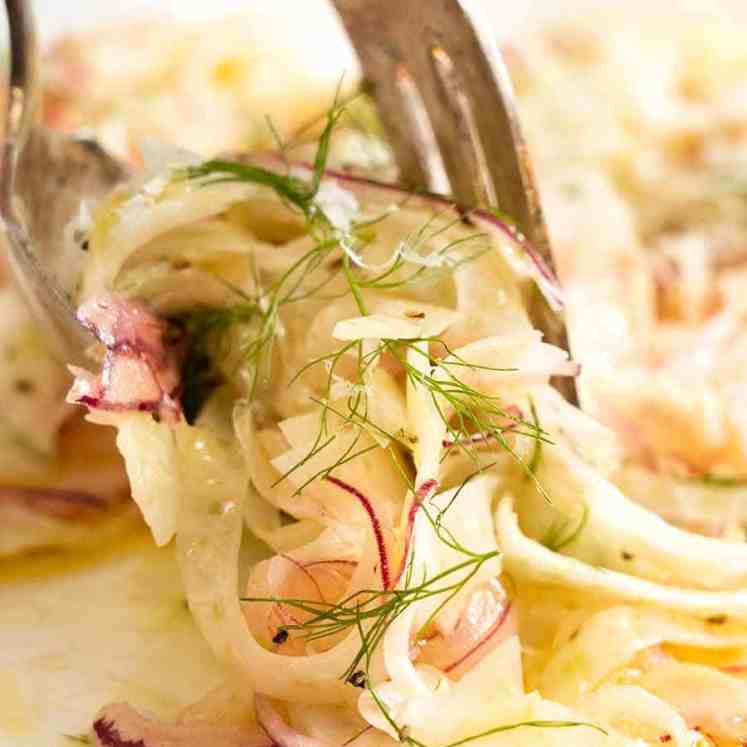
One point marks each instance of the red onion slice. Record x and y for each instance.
(65, 505)
(513, 419)
(140, 371)
(543, 275)
(277, 730)
(120, 725)
(423, 492)
(287, 577)
(378, 531)
(487, 620)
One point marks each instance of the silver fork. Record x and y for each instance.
(429, 64)
(447, 104)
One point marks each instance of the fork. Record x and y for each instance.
(428, 72)
(447, 105)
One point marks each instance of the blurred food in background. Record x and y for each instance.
(640, 139)
(205, 87)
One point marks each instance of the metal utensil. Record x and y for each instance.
(447, 104)
(44, 177)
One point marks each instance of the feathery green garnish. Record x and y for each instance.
(292, 189)
(429, 267)
(539, 724)
(536, 458)
(207, 324)
(256, 319)
(471, 417)
(372, 611)
(722, 481)
(79, 738)
(261, 313)
(561, 536)
(464, 410)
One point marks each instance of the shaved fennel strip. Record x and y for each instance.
(528, 560)
(624, 536)
(208, 541)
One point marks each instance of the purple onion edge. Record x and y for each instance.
(108, 735)
(545, 277)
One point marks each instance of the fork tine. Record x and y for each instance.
(483, 149)
(469, 98)
(486, 82)
(452, 117)
(408, 127)
(464, 93)
(398, 100)
(446, 101)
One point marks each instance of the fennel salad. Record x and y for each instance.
(346, 373)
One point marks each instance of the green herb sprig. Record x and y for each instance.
(463, 409)
(723, 481)
(536, 724)
(559, 537)
(290, 188)
(372, 611)
(78, 738)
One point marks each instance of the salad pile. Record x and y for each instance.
(346, 373)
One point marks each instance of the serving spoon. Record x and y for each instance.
(444, 97)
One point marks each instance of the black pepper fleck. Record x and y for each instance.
(464, 215)
(23, 386)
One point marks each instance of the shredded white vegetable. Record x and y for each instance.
(453, 551)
